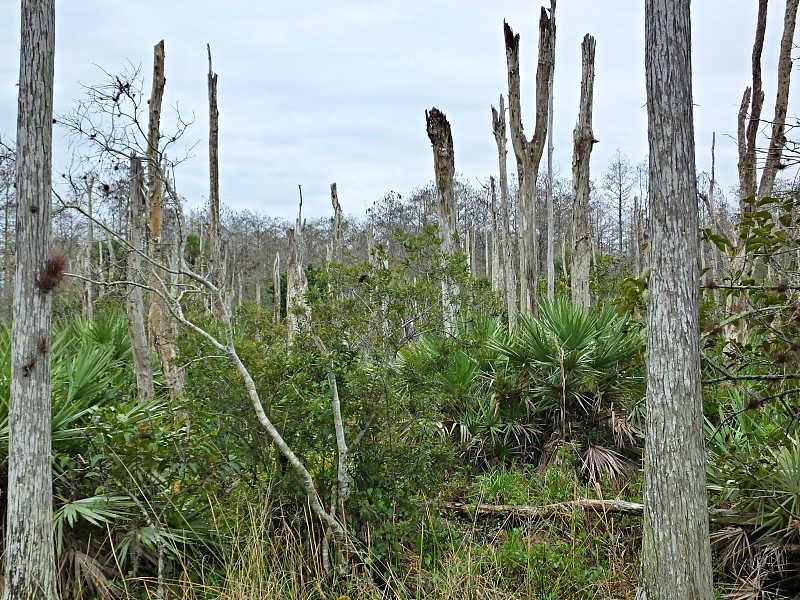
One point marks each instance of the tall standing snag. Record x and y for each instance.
(583, 141)
(213, 168)
(676, 554)
(30, 569)
(441, 139)
(529, 152)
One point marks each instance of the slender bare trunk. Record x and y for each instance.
(675, 554)
(214, 247)
(444, 168)
(88, 289)
(499, 129)
(336, 247)
(551, 233)
(30, 567)
(583, 141)
(135, 302)
(297, 310)
(276, 283)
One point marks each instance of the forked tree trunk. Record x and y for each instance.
(676, 553)
(444, 168)
(135, 301)
(529, 153)
(30, 566)
(583, 141)
(510, 282)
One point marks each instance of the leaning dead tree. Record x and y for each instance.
(583, 141)
(499, 130)
(529, 152)
(441, 139)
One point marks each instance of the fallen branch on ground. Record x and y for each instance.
(716, 515)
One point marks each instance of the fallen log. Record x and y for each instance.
(721, 516)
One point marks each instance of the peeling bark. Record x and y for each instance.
(444, 168)
(529, 152)
(583, 141)
(499, 130)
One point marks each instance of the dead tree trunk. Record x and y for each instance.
(297, 310)
(444, 168)
(135, 303)
(276, 282)
(529, 152)
(160, 321)
(30, 566)
(335, 250)
(214, 247)
(583, 140)
(498, 278)
(88, 288)
(499, 129)
(551, 230)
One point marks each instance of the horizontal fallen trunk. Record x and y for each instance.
(721, 516)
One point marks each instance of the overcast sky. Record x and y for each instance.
(316, 92)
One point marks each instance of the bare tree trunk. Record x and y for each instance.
(30, 566)
(583, 141)
(337, 242)
(498, 277)
(8, 255)
(444, 168)
(529, 153)
(214, 247)
(135, 301)
(276, 282)
(551, 230)
(297, 310)
(778, 139)
(635, 234)
(88, 290)
(499, 129)
(676, 553)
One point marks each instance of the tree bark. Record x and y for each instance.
(30, 567)
(276, 283)
(551, 229)
(214, 245)
(135, 301)
(88, 290)
(297, 311)
(583, 141)
(529, 153)
(337, 241)
(676, 553)
(441, 139)
(778, 139)
(499, 129)
(160, 320)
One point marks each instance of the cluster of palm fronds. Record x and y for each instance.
(564, 373)
(123, 470)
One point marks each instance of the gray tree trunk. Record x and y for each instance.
(135, 301)
(88, 288)
(444, 169)
(30, 566)
(214, 245)
(529, 152)
(583, 141)
(336, 248)
(297, 310)
(276, 282)
(676, 553)
(551, 229)
(499, 129)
